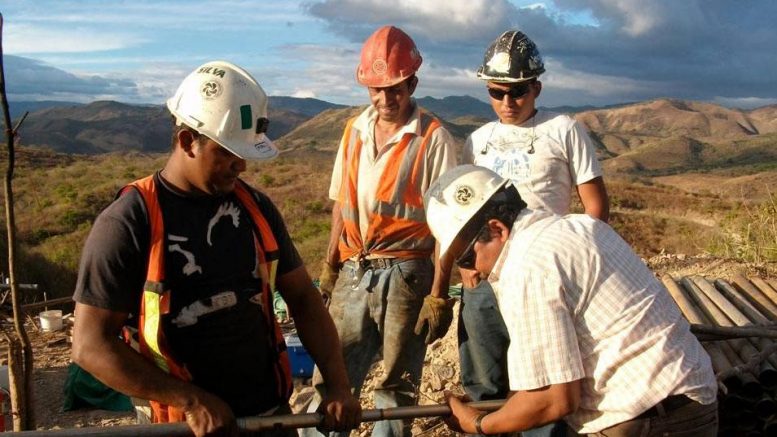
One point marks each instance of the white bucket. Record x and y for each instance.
(51, 320)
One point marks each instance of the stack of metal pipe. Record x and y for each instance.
(746, 367)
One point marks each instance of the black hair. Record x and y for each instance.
(178, 128)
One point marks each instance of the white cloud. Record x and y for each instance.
(560, 77)
(436, 20)
(304, 94)
(31, 39)
(745, 102)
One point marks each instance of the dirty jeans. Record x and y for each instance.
(692, 420)
(375, 310)
(483, 342)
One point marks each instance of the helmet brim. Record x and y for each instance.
(262, 149)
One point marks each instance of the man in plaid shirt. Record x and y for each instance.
(596, 340)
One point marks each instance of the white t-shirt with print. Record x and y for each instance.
(545, 157)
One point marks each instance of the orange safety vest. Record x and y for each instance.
(155, 301)
(397, 225)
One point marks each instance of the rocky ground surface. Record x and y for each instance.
(441, 370)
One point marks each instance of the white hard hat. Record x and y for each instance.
(455, 197)
(223, 102)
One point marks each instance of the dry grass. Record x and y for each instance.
(58, 196)
(749, 233)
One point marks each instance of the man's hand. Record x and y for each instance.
(469, 278)
(435, 318)
(462, 418)
(341, 411)
(327, 279)
(210, 416)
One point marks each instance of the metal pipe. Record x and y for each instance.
(6, 287)
(770, 427)
(765, 407)
(689, 310)
(729, 309)
(758, 299)
(744, 350)
(765, 288)
(750, 311)
(741, 302)
(51, 302)
(734, 332)
(721, 363)
(254, 424)
(767, 374)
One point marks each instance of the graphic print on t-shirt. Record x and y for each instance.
(225, 210)
(188, 316)
(509, 152)
(191, 266)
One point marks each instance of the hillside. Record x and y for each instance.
(323, 132)
(107, 126)
(678, 181)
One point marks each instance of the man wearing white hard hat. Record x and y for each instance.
(595, 339)
(189, 257)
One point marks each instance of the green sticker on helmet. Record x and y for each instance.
(246, 120)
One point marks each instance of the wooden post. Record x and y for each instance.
(20, 373)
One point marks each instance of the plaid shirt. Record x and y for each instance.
(580, 305)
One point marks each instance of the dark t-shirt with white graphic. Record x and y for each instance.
(216, 325)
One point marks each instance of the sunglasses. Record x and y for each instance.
(467, 258)
(515, 91)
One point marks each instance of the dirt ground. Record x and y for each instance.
(441, 370)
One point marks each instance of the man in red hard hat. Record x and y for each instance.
(386, 294)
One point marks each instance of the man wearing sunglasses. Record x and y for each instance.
(596, 339)
(546, 156)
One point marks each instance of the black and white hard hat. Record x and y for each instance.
(511, 58)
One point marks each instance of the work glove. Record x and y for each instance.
(326, 281)
(435, 318)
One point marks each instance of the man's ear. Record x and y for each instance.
(186, 141)
(498, 230)
(538, 88)
(412, 84)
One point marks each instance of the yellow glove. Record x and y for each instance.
(326, 281)
(435, 318)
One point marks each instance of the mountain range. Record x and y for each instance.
(662, 136)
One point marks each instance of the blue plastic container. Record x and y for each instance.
(301, 363)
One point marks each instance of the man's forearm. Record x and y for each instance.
(121, 368)
(593, 196)
(530, 409)
(318, 334)
(333, 249)
(315, 326)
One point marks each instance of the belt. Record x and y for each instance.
(669, 404)
(377, 263)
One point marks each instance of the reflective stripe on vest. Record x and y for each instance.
(155, 301)
(397, 223)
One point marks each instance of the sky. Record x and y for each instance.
(596, 52)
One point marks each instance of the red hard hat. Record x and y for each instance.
(389, 56)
